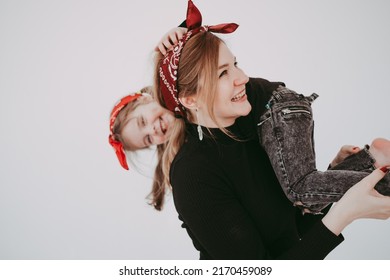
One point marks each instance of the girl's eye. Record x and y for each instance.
(224, 72)
(149, 139)
(143, 122)
(236, 64)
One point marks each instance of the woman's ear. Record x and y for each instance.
(189, 102)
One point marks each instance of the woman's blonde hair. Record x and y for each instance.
(197, 75)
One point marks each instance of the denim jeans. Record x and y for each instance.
(286, 133)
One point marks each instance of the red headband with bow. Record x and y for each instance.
(169, 66)
(117, 145)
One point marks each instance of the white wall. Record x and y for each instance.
(63, 65)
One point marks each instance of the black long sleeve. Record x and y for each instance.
(230, 202)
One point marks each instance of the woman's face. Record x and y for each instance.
(230, 101)
(149, 124)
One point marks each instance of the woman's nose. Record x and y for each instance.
(241, 78)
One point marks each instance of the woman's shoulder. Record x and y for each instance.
(193, 154)
(197, 158)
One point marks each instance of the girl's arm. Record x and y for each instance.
(170, 39)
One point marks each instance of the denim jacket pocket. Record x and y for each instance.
(296, 111)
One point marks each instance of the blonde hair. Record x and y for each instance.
(197, 75)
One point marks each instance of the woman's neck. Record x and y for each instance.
(207, 121)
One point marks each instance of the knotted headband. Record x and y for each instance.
(117, 145)
(169, 66)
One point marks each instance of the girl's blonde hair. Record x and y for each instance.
(197, 75)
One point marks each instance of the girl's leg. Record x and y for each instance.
(286, 133)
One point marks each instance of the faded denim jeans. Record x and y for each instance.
(286, 133)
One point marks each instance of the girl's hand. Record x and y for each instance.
(344, 152)
(170, 39)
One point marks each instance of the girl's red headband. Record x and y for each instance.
(117, 145)
(169, 65)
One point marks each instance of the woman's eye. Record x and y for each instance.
(149, 139)
(143, 122)
(224, 72)
(236, 64)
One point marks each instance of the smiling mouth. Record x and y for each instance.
(239, 96)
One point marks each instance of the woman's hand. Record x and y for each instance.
(343, 153)
(170, 39)
(360, 201)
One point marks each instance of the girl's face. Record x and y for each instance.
(149, 124)
(230, 101)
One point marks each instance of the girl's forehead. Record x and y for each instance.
(132, 134)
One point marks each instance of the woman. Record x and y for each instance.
(224, 187)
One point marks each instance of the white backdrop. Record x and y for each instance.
(63, 65)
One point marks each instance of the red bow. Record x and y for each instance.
(119, 151)
(169, 65)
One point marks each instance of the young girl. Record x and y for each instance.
(224, 187)
(136, 122)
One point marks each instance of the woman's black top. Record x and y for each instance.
(229, 200)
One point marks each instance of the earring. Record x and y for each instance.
(200, 132)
